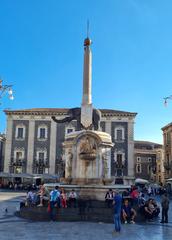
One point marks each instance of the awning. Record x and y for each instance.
(169, 180)
(141, 181)
(21, 175)
(5, 175)
(46, 176)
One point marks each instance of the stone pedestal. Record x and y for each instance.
(87, 155)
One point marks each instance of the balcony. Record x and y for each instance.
(40, 166)
(18, 162)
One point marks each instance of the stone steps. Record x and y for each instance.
(92, 214)
(94, 211)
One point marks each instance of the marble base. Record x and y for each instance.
(94, 192)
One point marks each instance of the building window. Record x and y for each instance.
(18, 161)
(168, 158)
(168, 138)
(138, 168)
(42, 132)
(138, 159)
(41, 156)
(41, 161)
(20, 132)
(119, 134)
(119, 159)
(119, 172)
(19, 155)
(149, 169)
(69, 130)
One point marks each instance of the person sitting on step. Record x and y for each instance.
(128, 213)
(72, 198)
(109, 197)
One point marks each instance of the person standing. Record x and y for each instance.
(54, 200)
(165, 206)
(117, 202)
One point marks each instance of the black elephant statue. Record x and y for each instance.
(75, 114)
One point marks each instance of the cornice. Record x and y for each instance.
(63, 111)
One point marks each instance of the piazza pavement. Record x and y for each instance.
(12, 227)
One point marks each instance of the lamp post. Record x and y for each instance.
(166, 100)
(4, 89)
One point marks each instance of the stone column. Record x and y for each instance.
(131, 148)
(87, 76)
(52, 160)
(30, 148)
(8, 144)
(108, 130)
(86, 108)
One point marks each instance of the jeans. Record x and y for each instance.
(165, 214)
(52, 210)
(117, 222)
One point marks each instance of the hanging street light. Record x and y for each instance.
(4, 89)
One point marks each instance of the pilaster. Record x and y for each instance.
(131, 148)
(30, 153)
(8, 144)
(52, 160)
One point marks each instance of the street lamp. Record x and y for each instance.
(166, 99)
(6, 88)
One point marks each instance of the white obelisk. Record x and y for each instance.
(86, 108)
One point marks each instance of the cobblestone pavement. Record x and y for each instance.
(12, 227)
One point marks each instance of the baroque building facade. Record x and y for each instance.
(2, 151)
(148, 158)
(34, 142)
(167, 142)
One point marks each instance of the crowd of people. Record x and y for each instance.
(55, 198)
(132, 203)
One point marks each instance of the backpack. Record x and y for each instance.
(54, 196)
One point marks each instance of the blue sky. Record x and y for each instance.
(41, 54)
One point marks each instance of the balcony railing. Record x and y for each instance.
(18, 162)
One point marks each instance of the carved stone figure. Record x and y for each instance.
(88, 148)
(69, 164)
(75, 114)
(105, 164)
